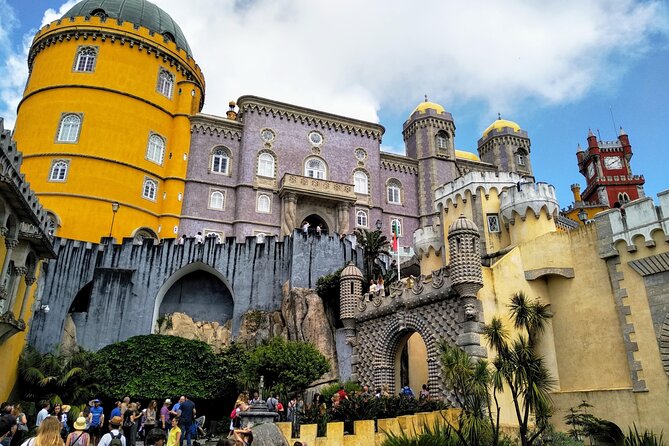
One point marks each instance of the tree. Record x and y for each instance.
(287, 366)
(152, 366)
(57, 378)
(519, 367)
(373, 244)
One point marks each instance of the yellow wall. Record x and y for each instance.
(120, 108)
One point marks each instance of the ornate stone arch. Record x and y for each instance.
(319, 158)
(397, 327)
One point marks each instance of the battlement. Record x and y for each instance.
(638, 219)
(528, 196)
(473, 182)
(426, 238)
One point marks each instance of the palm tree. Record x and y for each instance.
(373, 244)
(519, 367)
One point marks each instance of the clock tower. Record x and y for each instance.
(608, 172)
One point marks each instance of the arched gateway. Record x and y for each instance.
(441, 307)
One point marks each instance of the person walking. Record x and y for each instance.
(150, 417)
(114, 437)
(174, 437)
(48, 434)
(96, 419)
(79, 437)
(165, 421)
(187, 417)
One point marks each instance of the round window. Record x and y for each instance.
(267, 135)
(316, 138)
(360, 154)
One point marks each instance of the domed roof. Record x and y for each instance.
(351, 271)
(427, 105)
(500, 124)
(137, 12)
(463, 224)
(461, 154)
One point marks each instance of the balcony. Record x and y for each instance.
(315, 187)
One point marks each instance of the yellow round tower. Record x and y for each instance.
(104, 120)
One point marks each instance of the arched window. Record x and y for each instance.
(149, 189)
(361, 182)
(263, 204)
(58, 171)
(165, 83)
(220, 160)
(85, 59)
(315, 168)
(361, 219)
(216, 200)
(68, 131)
(442, 140)
(623, 197)
(266, 165)
(156, 149)
(394, 192)
(520, 158)
(396, 226)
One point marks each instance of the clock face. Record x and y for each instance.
(613, 162)
(591, 170)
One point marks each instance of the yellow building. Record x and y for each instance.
(26, 242)
(104, 120)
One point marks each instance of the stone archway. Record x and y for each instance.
(314, 220)
(398, 329)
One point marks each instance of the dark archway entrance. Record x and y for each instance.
(200, 295)
(411, 367)
(314, 220)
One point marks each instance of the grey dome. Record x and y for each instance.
(463, 224)
(351, 271)
(137, 12)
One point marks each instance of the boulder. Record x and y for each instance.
(268, 435)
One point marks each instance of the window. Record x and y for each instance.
(623, 198)
(521, 159)
(150, 189)
(85, 61)
(396, 226)
(316, 138)
(216, 200)
(263, 204)
(360, 182)
(361, 219)
(68, 131)
(266, 165)
(394, 192)
(156, 149)
(442, 140)
(58, 170)
(51, 224)
(220, 160)
(493, 223)
(165, 83)
(315, 168)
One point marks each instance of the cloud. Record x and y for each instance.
(51, 14)
(354, 58)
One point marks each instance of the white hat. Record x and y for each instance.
(168, 401)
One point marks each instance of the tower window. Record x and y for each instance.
(521, 159)
(623, 197)
(68, 130)
(155, 149)
(394, 190)
(361, 182)
(263, 204)
(165, 83)
(361, 219)
(220, 161)
(85, 61)
(315, 168)
(217, 200)
(59, 170)
(442, 140)
(266, 165)
(149, 189)
(493, 223)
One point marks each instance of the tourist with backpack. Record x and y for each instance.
(114, 437)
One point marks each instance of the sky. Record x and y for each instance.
(556, 67)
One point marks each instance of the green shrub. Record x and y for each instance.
(328, 391)
(439, 434)
(645, 438)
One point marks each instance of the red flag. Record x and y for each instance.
(395, 238)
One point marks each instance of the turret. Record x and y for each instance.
(537, 199)
(428, 245)
(593, 147)
(507, 146)
(350, 292)
(576, 191)
(625, 143)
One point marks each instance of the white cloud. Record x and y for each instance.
(352, 58)
(51, 14)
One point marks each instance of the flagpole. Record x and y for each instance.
(398, 260)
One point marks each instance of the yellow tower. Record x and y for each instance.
(104, 120)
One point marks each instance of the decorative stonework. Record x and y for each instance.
(315, 187)
(398, 163)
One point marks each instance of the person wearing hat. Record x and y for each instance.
(79, 437)
(114, 435)
(165, 422)
(95, 420)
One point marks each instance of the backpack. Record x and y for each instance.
(115, 440)
(406, 391)
(233, 414)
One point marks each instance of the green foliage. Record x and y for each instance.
(152, 366)
(331, 389)
(645, 438)
(253, 319)
(231, 361)
(57, 378)
(287, 366)
(327, 286)
(439, 434)
(373, 244)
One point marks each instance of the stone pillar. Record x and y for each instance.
(10, 244)
(26, 295)
(18, 272)
(288, 214)
(343, 218)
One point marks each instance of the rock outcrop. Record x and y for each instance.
(180, 324)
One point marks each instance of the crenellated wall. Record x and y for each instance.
(129, 281)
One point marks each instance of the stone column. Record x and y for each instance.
(343, 218)
(17, 273)
(26, 295)
(288, 214)
(10, 244)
